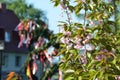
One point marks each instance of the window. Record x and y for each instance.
(0, 5)
(1, 34)
(15, 36)
(18, 61)
(7, 36)
(5, 60)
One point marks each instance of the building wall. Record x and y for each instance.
(9, 64)
(8, 22)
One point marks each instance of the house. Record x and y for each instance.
(12, 56)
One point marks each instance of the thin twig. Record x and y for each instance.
(68, 16)
(85, 26)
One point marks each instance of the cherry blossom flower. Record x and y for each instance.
(98, 57)
(63, 5)
(91, 23)
(62, 29)
(60, 75)
(77, 39)
(78, 46)
(83, 59)
(65, 40)
(104, 50)
(62, 40)
(117, 77)
(89, 47)
(89, 36)
(69, 46)
(85, 41)
(67, 33)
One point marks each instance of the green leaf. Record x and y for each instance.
(71, 8)
(95, 1)
(90, 6)
(89, 30)
(78, 8)
(56, 2)
(106, 76)
(61, 52)
(69, 78)
(80, 78)
(73, 51)
(77, 56)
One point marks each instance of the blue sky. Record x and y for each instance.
(52, 13)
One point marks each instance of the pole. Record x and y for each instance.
(1, 65)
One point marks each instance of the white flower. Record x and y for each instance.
(69, 46)
(83, 59)
(89, 36)
(91, 23)
(67, 33)
(63, 5)
(78, 39)
(90, 47)
(78, 46)
(64, 40)
(117, 77)
(99, 57)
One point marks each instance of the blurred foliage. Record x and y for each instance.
(25, 11)
(13, 76)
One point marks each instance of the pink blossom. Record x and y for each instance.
(69, 46)
(62, 29)
(117, 77)
(64, 40)
(101, 21)
(83, 59)
(104, 50)
(89, 36)
(90, 47)
(63, 5)
(85, 41)
(99, 57)
(78, 46)
(71, 39)
(78, 39)
(60, 75)
(91, 23)
(67, 33)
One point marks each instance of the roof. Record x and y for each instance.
(10, 47)
(8, 20)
